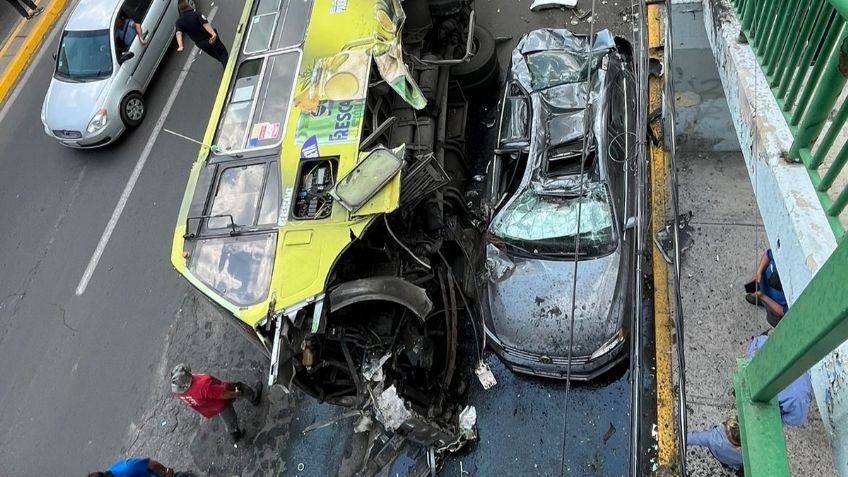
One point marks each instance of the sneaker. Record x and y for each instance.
(37, 11)
(236, 436)
(257, 393)
(750, 298)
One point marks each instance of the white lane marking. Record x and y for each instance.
(145, 153)
(45, 45)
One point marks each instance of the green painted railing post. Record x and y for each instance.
(827, 92)
(816, 324)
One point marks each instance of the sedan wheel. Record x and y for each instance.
(132, 110)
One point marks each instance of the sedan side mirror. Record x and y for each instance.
(125, 56)
(630, 223)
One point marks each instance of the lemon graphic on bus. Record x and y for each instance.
(385, 25)
(342, 85)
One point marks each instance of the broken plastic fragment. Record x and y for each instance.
(498, 264)
(485, 375)
(545, 4)
(373, 370)
(468, 423)
(391, 410)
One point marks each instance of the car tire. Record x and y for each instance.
(480, 66)
(133, 109)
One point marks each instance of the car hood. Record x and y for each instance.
(530, 302)
(72, 105)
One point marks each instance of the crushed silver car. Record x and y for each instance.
(544, 215)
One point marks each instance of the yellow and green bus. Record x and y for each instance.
(325, 212)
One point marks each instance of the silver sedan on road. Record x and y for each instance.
(103, 69)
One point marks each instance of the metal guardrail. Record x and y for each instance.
(802, 48)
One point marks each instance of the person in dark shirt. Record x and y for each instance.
(139, 467)
(212, 397)
(201, 32)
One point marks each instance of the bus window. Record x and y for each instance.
(237, 195)
(254, 117)
(294, 25)
(237, 113)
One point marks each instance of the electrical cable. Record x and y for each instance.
(389, 229)
(588, 119)
(639, 41)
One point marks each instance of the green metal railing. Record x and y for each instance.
(815, 325)
(802, 48)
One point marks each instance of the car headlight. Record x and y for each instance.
(98, 121)
(605, 348)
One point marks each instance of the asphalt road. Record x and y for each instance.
(79, 374)
(74, 369)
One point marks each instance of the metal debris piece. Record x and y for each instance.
(363, 424)
(468, 423)
(329, 422)
(664, 239)
(391, 410)
(373, 370)
(545, 4)
(581, 14)
(485, 375)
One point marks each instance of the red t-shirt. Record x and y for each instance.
(204, 395)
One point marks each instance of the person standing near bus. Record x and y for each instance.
(201, 32)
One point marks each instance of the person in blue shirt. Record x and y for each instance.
(769, 293)
(722, 441)
(139, 467)
(795, 399)
(127, 30)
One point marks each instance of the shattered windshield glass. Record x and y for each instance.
(547, 224)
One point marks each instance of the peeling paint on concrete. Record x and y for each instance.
(795, 223)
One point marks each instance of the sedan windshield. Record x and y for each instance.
(84, 55)
(548, 224)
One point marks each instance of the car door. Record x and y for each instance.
(149, 14)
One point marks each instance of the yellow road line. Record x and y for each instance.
(33, 40)
(658, 197)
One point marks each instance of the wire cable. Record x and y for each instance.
(588, 119)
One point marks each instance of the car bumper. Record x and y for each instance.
(103, 137)
(583, 368)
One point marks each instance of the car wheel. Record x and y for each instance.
(481, 65)
(132, 110)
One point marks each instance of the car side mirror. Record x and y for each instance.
(125, 56)
(630, 223)
(53, 55)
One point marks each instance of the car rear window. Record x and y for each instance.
(84, 55)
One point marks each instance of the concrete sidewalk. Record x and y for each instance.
(728, 240)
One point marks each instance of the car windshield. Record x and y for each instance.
(548, 224)
(84, 55)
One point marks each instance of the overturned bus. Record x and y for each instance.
(325, 213)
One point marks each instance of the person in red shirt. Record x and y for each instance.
(212, 397)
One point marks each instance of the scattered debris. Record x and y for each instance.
(546, 4)
(391, 410)
(485, 375)
(664, 239)
(468, 423)
(373, 371)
